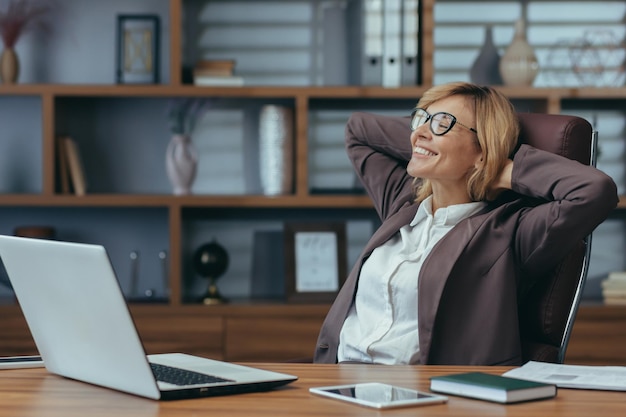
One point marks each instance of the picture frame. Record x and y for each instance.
(138, 56)
(315, 261)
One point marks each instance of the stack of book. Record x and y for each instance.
(614, 288)
(216, 73)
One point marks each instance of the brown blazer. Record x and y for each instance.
(469, 285)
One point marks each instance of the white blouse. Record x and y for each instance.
(381, 326)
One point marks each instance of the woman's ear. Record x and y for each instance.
(478, 163)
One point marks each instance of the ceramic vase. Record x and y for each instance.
(485, 69)
(9, 66)
(181, 163)
(519, 65)
(276, 149)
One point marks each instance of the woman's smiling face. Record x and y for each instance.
(446, 160)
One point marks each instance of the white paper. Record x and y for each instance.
(611, 378)
(316, 262)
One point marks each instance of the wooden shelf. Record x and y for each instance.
(348, 92)
(134, 200)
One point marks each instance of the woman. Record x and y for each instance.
(439, 281)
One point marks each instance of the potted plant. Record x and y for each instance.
(18, 17)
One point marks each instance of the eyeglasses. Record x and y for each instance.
(440, 123)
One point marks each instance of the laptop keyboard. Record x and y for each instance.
(179, 376)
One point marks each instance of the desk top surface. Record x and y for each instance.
(36, 393)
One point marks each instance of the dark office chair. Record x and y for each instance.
(548, 311)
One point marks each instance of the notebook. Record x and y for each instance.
(83, 329)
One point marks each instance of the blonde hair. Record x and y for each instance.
(497, 129)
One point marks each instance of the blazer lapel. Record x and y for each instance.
(434, 274)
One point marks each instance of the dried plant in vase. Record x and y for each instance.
(183, 114)
(181, 158)
(18, 17)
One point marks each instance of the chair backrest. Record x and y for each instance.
(548, 311)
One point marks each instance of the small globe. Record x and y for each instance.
(210, 260)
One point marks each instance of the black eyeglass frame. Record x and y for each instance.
(431, 117)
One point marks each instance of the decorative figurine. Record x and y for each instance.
(211, 261)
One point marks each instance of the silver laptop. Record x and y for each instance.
(83, 329)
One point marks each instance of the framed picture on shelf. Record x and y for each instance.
(315, 261)
(137, 49)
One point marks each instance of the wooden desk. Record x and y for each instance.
(36, 393)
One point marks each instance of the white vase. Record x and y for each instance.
(276, 149)
(519, 65)
(181, 163)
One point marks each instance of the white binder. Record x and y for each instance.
(365, 29)
(335, 45)
(410, 42)
(392, 49)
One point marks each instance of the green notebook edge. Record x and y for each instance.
(491, 381)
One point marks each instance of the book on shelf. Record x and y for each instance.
(614, 292)
(71, 166)
(614, 288)
(216, 73)
(611, 300)
(63, 169)
(268, 262)
(490, 387)
(214, 68)
(616, 277)
(218, 80)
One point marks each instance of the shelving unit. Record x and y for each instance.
(249, 329)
